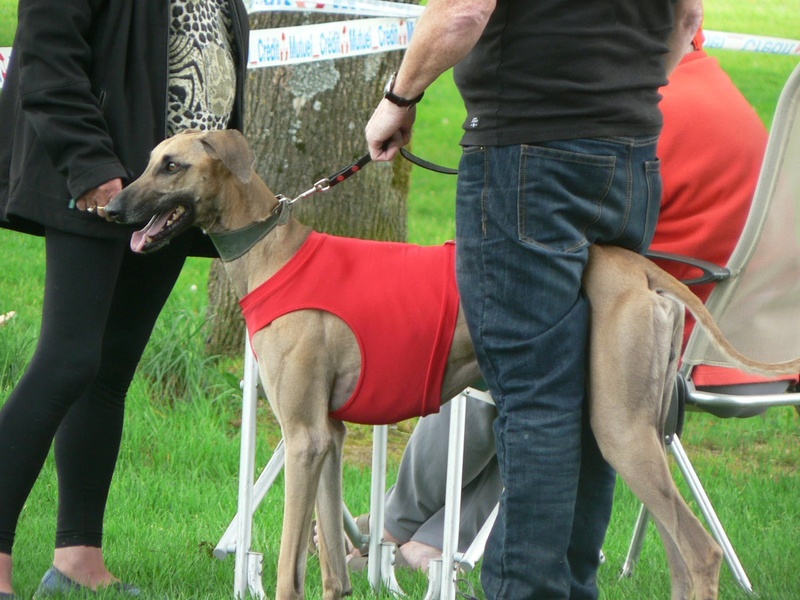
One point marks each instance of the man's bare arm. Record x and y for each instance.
(688, 19)
(445, 33)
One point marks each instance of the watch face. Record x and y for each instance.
(390, 83)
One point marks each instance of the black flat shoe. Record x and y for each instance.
(7, 596)
(55, 582)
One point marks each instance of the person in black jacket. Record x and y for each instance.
(92, 87)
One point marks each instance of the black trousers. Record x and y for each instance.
(100, 304)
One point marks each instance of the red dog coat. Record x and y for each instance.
(401, 302)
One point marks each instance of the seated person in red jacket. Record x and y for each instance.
(711, 149)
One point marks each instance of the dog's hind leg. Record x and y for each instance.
(332, 552)
(700, 553)
(635, 337)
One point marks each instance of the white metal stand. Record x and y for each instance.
(442, 573)
(452, 560)
(248, 566)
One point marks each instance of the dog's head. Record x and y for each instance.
(182, 184)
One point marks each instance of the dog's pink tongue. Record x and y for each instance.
(140, 238)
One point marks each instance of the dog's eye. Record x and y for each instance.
(171, 167)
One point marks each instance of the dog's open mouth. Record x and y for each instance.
(161, 228)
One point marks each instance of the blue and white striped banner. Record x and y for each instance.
(360, 8)
(750, 43)
(391, 29)
(307, 43)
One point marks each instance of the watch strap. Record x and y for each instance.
(389, 94)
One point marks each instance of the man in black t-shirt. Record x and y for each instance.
(559, 153)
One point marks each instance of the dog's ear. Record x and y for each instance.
(230, 146)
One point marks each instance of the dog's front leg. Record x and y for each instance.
(307, 447)
(295, 365)
(335, 578)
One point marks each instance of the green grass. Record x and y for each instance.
(8, 22)
(175, 488)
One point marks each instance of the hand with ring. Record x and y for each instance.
(95, 200)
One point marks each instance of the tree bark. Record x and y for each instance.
(304, 123)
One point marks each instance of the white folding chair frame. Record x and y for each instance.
(452, 560)
(237, 539)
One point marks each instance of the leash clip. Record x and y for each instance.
(323, 185)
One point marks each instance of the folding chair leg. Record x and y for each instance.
(452, 505)
(255, 569)
(247, 570)
(442, 574)
(377, 503)
(227, 543)
(380, 566)
(468, 560)
(387, 562)
(434, 590)
(351, 529)
(637, 541)
(715, 525)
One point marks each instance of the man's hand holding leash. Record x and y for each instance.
(445, 33)
(389, 129)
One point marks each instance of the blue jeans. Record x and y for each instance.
(526, 216)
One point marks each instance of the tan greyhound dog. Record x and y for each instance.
(310, 360)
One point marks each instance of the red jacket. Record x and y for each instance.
(401, 302)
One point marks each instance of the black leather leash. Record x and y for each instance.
(421, 162)
(364, 160)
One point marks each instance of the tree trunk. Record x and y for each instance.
(306, 122)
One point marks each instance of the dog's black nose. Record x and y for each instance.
(113, 210)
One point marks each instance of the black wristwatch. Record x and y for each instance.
(399, 100)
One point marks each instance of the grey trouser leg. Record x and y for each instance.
(415, 504)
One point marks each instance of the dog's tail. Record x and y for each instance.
(664, 283)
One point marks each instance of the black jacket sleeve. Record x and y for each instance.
(55, 56)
